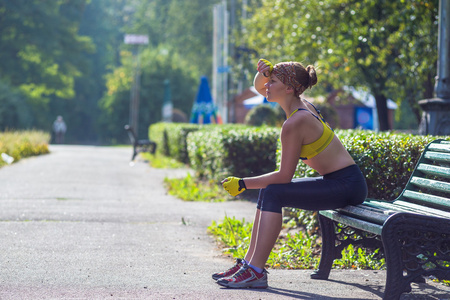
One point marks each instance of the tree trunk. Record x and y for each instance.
(382, 109)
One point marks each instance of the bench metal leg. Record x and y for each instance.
(396, 283)
(415, 246)
(328, 254)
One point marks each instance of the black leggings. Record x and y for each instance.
(334, 190)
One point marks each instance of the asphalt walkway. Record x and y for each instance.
(82, 223)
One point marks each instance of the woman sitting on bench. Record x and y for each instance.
(304, 135)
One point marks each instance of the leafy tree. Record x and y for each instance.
(157, 65)
(180, 49)
(14, 112)
(103, 22)
(184, 27)
(373, 44)
(39, 57)
(39, 46)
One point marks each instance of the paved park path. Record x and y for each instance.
(82, 223)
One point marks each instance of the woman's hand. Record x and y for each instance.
(233, 185)
(265, 67)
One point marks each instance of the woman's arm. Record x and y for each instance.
(291, 141)
(259, 83)
(260, 80)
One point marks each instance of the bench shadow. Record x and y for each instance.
(298, 294)
(436, 293)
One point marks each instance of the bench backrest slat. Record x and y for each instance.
(434, 170)
(431, 200)
(429, 184)
(420, 209)
(434, 185)
(442, 147)
(437, 156)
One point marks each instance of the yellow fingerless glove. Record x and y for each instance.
(269, 64)
(234, 186)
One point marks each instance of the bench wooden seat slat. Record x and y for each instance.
(353, 222)
(431, 184)
(434, 170)
(432, 200)
(413, 228)
(364, 213)
(437, 156)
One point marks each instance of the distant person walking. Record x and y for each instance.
(59, 128)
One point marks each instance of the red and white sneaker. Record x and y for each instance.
(230, 271)
(246, 277)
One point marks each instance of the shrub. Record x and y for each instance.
(233, 150)
(386, 159)
(263, 114)
(20, 144)
(171, 138)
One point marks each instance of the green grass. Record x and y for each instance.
(294, 249)
(21, 144)
(160, 161)
(298, 247)
(189, 189)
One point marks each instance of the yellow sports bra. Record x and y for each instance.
(310, 150)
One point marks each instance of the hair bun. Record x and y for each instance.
(312, 75)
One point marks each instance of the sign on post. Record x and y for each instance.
(136, 39)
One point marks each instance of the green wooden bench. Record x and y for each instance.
(413, 230)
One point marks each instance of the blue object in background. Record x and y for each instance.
(363, 117)
(204, 111)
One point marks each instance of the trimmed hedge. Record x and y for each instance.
(171, 138)
(21, 144)
(386, 159)
(233, 150)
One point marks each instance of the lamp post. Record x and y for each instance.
(436, 111)
(135, 39)
(167, 108)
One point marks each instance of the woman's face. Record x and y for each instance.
(275, 89)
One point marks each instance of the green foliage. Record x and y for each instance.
(57, 56)
(233, 234)
(184, 28)
(179, 50)
(363, 44)
(157, 65)
(359, 258)
(160, 161)
(293, 250)
(14, 111)
(54, 56)
(172, 138)
(233, 150)
(41, 54)
(386, 159)
(190, 189)
(21, 144)
(296, 250)
(263, 115)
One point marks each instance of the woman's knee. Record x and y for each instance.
(271, 200)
